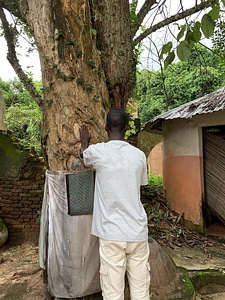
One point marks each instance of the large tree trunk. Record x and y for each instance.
(114, 39)
(77, 77)
(74, 89)
(73, 80)
(80, 82)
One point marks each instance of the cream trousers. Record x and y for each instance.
(118, 258)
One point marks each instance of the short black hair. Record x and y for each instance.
(116, 118)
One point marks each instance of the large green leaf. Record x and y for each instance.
(196, 33)
(181, 32)
(165, 49)
(169, 59)
(207, 25)
(215, 12)
(183, 51)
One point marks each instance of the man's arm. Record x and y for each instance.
(84, 138)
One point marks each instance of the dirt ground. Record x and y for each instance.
(20, 275)
(22, 279)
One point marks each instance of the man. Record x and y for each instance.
(119, 219)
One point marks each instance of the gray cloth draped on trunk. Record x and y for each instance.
(67, 250)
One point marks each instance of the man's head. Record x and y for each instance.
(117, 119)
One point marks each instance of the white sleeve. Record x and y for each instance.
(144, 179)
(87, 156)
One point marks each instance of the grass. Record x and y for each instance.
(154, 187)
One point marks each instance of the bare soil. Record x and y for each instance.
(22, 279)
(20, 275)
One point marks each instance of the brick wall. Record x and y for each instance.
(21, 200)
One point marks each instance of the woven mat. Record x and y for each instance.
(80, 192)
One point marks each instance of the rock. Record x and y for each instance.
(163, 268)
(3, 233)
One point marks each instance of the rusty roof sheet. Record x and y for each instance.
(209, 103)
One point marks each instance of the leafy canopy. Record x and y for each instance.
(189, 34)
(157, 92)
(23, 116)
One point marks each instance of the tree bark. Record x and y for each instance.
(73, 80)
(114, 39)
(76, 77)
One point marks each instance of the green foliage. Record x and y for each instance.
(181, 82)
(188, 289)
(166, 49)
(130, 110)
(208, 25)
(191, 34)
(94, 32)
(218, 41)
(131, 130)
(155, 180)
(25, 122)
(133, 15)
(154, 187)
(149, 94)
(183, 51)
(14, 92)
(23, 115)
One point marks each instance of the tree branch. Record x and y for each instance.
(178, 16)
(12, 58)
(146, 7)
(13, 7)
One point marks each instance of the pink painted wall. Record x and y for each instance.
(183, 164)
(155, 160)
(183, 184)
(183, 170)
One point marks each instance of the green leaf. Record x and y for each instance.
(181, 32)
(169, 59)
(165, 49)
(207, 25)
(94, 32)
(183, 51)
(196, 34)
(215, 12)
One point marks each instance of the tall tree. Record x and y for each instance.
(88, 62)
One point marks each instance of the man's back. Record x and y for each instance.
(119, 219)
(120, 171)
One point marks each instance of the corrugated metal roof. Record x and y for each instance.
(203, 105)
